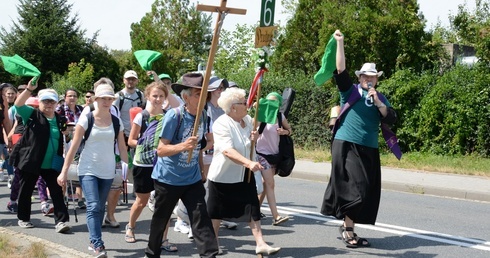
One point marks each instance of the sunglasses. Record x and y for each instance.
(88, 96)
(48, 101)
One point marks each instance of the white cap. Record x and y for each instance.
(130, 74)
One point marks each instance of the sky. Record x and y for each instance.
(113, 18)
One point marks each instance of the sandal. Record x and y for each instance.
(360, 242)
(348, 241)
(129, 238)
(169, 247)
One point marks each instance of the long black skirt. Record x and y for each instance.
(236, 202)
(354, 189)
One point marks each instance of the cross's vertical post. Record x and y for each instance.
(222, 11)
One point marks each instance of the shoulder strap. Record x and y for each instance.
(90, 119)
(121, 99)
(140, 96)
(92, 107)
(353, 98)
(145, 116)
(279, 119)
(115, 125)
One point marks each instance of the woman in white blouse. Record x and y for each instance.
(231, 195)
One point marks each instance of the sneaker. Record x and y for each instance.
(108, 223)
(25, 224)
(151, 201)
(99, 252)
(228, 224)
(61, 227)
(182, 227)
(190, 235)
(279, 220)
(12, 207)
(262, 216)
(46, 208)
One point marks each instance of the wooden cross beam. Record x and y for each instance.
(222, 10)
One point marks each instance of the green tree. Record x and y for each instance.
(177, 30)
(389, 33)
(473, 28)
(50, 39)
(79, 76)
(235, 51)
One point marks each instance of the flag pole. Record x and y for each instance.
(252, 145)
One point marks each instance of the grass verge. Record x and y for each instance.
(9, 248)
(463, 165)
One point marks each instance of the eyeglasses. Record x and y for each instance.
(240, 103)
(88, 96)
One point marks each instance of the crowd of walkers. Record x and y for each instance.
(203, 172)
(50, 136)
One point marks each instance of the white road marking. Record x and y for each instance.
(393, 229)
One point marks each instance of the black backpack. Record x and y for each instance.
(140, 97)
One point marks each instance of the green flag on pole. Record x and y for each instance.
(328, 62)
(19, 66)
(146, 58)
(268, 110)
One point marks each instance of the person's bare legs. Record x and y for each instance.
(261, 245)
(269, 184)
(112, 200)
(136, 209)
(216, 225)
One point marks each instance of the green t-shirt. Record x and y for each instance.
(360, 124)
(25, 112)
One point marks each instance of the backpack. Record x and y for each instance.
(285, 159)
(140, 97)
(91, 121)
(148, 142)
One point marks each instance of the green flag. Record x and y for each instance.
(328, 62)
(19, 66)
(146, 58)
(268, 110)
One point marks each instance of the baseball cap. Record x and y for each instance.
(130, 74)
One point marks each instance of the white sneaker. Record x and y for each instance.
(151, 201)
(228, 224)
(190, 235)
(182, 227)
(61, 227)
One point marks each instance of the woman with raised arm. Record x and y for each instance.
(353, 192)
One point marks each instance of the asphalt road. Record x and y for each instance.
(408, 225)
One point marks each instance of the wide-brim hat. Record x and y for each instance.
(189, 80)
(215, 82)
(369, 69)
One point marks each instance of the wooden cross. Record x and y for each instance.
(222, 10)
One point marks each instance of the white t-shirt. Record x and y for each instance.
(98, 158)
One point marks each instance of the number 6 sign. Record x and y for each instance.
(267, 13)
